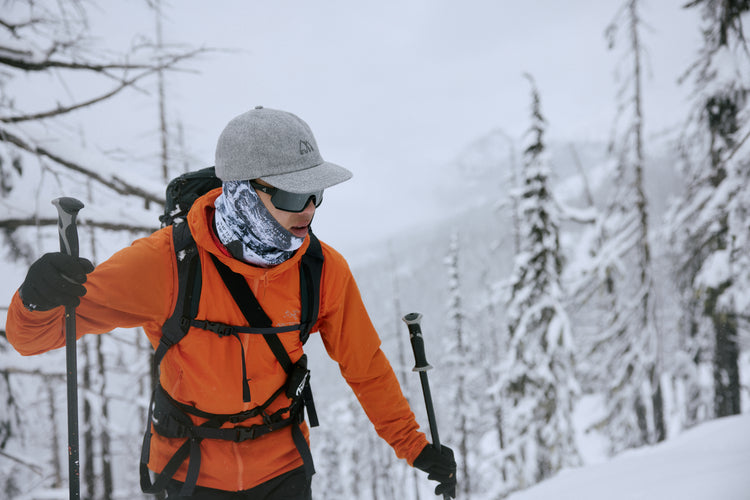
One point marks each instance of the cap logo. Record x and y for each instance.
(305, 147)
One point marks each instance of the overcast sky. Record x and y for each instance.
(395, 90)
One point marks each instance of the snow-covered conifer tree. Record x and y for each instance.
(539, 384)
(463, 402)
(710, 232)
(622, 358)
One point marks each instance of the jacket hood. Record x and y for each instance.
(200, 219)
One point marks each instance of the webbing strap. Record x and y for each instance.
(223, 329)
(188, 448)
(242, 295)
(311, 269)
(240, 433)
(147, 486)
(304, 450)
(189, 270)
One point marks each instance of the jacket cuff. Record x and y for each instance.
(23, 327)
(415, 450)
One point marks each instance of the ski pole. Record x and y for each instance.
(67, 210)
(421, 365)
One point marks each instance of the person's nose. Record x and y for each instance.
(310, 208)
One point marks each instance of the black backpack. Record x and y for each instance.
(182, 192)
(170, 417)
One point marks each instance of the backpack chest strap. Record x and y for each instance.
(224, 330)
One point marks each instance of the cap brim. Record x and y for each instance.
(311, 179)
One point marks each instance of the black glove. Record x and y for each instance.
(440, 466)
(56, 279)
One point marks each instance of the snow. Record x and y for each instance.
(709, 462)
(715, 270)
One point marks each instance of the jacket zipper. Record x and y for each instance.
(245, 339)
(240, 466)
(257, 284)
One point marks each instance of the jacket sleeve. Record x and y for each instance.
(134, 287)
(351, 341)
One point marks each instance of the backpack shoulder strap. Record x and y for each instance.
(188, 291)
(311, 269)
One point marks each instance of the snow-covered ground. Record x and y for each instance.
(709, 462)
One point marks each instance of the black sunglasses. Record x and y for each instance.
(289, 202)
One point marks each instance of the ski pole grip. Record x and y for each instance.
(67, 210)
(412, 321)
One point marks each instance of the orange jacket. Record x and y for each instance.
(137, 286)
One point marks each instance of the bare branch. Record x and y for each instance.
(584, 177)
(62, 110)
(12, 50)
(586, 215)
(36, 373)
(738, 146)
(115, 183)
(14, 27)
(123, 85)
(13, 224)
(44, 65)
(26, 463)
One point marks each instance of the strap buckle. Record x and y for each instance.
(268, 419)
(245, 433)
(185, 323)
(220, 329)
(228, 330)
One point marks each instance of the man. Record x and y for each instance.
(223, 425)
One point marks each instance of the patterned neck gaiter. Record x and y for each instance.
(248, 230)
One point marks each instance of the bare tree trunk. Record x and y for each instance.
(491, 355)
(726, 371)
(104, 437)
(460, 403)
(164, 137)
(644, 250)
(657, 402)
(402, 372)
(727, 397)
(55, 437)
(183, 147)
(515, 184)
(101, 384)
(89, 477)
(641, 414)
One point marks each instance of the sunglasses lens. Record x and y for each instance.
(295, 202)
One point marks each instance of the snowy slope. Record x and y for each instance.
(709, 462)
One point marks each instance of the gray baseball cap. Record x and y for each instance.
(277, 147)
